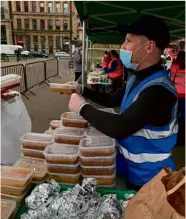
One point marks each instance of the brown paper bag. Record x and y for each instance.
(151, 202)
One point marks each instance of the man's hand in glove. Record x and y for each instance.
(76, 103)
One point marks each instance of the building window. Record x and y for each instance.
(58, 9)
(35, 41)
(3, 34)
(27, 42)
(26, 24)
(49, 7)
(65, 25)
(34, 24)
(18, 6)
(65, 8)
(25, 6)
(50, 42)
(19, 25)
(42, 42)
(42, 24)
(2, 10)
(58, 25)
(58, 43)
(34, 6)
(50, 24)
(42, 7)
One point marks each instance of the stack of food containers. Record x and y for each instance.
(15, 183)
(98, 154)
(37, 165)
(33, 144)
(7, 209)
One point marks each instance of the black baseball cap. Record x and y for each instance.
(154, 28)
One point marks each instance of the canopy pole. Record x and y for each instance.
(86, 58)
(90, 55)
(83, 54)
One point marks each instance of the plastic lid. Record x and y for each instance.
(63, 165)
(55, 123)
(100, 176)
(64, 174)
(99, 158)
(97, 142)
(32, 150)
(94, 132)
(36, 137)
(71, 116)
(99, 167)
(69, 132)
(61, 149)
(7, 208)
(9, 78)
(57, 85)
(15, 173)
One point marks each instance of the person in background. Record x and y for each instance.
(115, 70)
(106, 59)
(77, 63)
(147, 126)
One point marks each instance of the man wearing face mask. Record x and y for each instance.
(146, 128)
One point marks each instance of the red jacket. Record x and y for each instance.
(106, 61)
(119, 72)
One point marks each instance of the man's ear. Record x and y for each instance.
(151, 46)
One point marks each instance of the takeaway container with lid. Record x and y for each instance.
(93, 132)
(65, 178)
(98, 170)
(98, 161)
(72, 119)
(33, 153)
(63, 88)
(103, 180)
(61, 154)
(97, 146)
(15, 176)
(35, 141)
(7, 208)
(37, 165)
(10, 80)
(54, 124)
(63, 168)
(68, 136)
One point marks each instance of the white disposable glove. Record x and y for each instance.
(76, 103)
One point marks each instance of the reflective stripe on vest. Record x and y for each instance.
(143, 157)
(119, 70)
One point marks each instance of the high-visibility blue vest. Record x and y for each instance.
(142, 155)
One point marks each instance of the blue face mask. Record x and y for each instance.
(126, 57)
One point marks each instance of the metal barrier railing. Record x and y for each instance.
(32, 74)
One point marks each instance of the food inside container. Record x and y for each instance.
(61, 154)
(35, 141)
(17, 199)
(10, 80)
(15, 176)
(17, 191)
(65, 178)
(103, 180)
(68, 136)
(98, 161)
(98, 170)
(63, 168)
(63, 88)
(97, 146)
(37, 165)
(33, 153)
(72, 119)
(7, 208)
(55, 124)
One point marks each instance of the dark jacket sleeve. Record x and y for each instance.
(113, 67)
(107, 100)
(149, 108)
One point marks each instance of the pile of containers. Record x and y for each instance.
(98, 155)
(7, 208)
(15, 183)
(37, 165)
(33, 144)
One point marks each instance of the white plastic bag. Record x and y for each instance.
(15, 121)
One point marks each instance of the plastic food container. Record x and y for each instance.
(97, 146)
(17, 199)
(35, 141)
(61, 154)
(15, 176)
(98, 161)
(68, 136)
(63, 88)
(17, 191)
(93, 132)
(68, 169)
(55, 124)
(7, 208)
(10, 80)
(33, 153)
(49, 132)
(103, 180)
(37, 165)
(97, 170)
(65, 178)
(71, 119)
